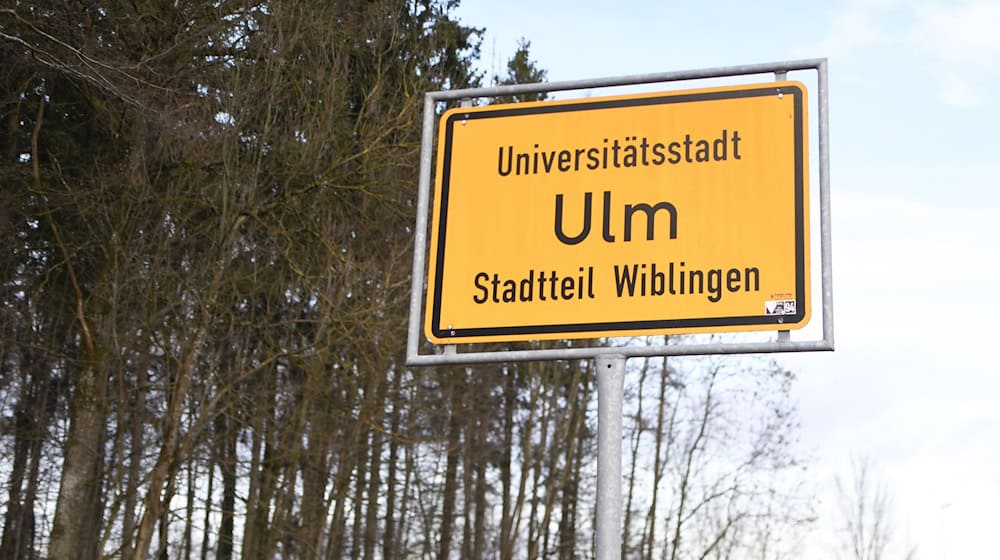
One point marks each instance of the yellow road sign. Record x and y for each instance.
(672, 212)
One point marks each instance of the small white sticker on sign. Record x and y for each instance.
(779, 307)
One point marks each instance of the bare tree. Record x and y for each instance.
(866, 509)
(720, 467)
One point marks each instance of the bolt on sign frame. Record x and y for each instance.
(576, 283)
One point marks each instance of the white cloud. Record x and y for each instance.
(961, 42)
(854, 29)
(964, 34)
(960, 92)
(956, 42)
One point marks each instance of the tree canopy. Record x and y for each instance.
(208, 211)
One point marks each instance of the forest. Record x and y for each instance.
(207, 211)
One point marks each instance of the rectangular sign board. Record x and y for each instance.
(670, 212)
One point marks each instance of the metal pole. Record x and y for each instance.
(610, 389)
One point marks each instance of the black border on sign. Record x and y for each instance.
(620, 326)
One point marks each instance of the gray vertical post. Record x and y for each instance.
(610, 389)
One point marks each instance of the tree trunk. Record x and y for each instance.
(93, 521)
(136, 446)
(226, 438)
(314, 477)
(659, 460)
(374, 477)
(479, 531)
(389, 536)
(80, 466)
(507, 452)
(561, 435)
(350, 458)
(16, 522)
(269, 477)
(451, 468)
(409, 469)
(335, 534)
(206, 530)
(258, 426)
(580, 395)
(468, 460)
(287, 460)
(527, 458)
(638, 427)
(31, 419)
(537, 463)
(79, 484)
(187, 542)
(164, 521)
(377, 408)
(165, 467)
(361, 473)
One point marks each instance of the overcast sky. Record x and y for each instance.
(915, 130)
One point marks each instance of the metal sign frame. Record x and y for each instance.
(449, 354)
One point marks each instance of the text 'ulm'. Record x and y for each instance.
(629, 212)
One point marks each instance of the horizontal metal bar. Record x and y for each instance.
(627, 351)
(628, 80)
